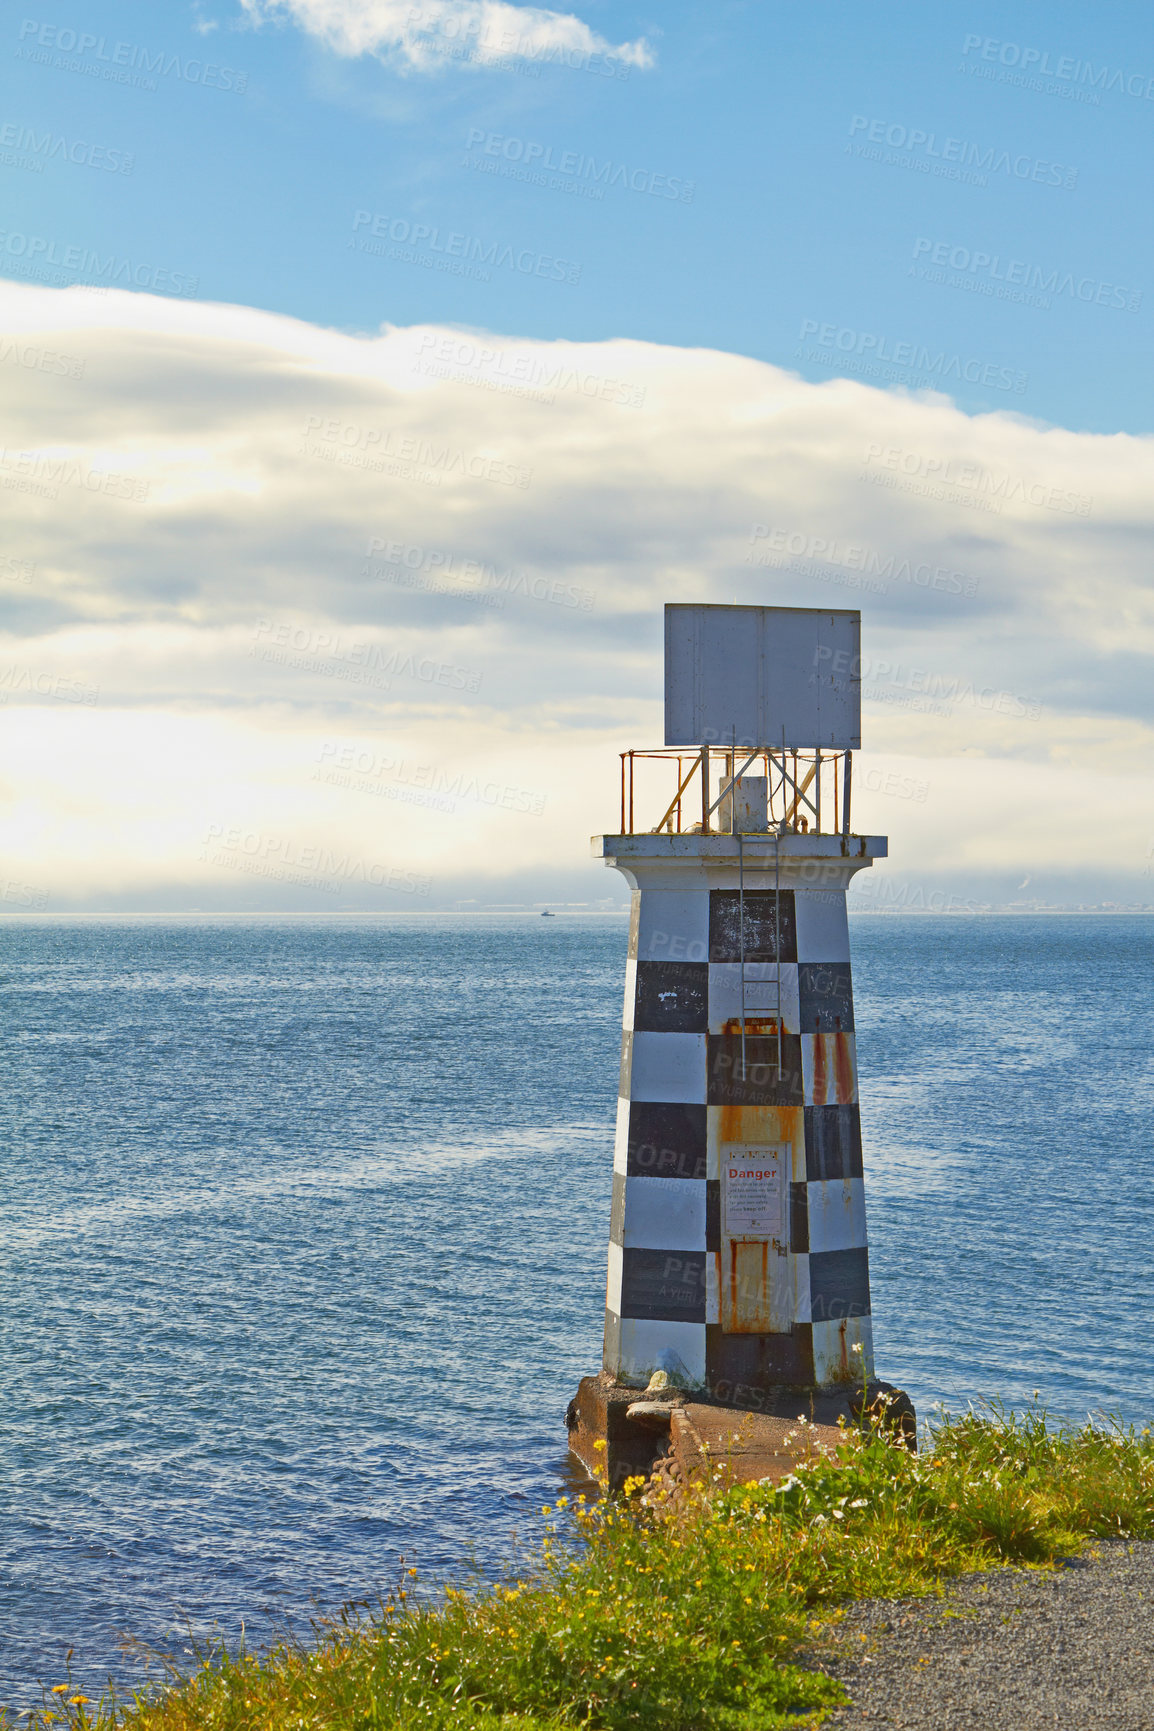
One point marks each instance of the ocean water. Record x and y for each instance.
(303, 1235)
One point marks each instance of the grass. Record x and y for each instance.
(667, 1625)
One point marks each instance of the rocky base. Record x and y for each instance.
(619, 1433)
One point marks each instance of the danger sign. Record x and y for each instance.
(754, 1187)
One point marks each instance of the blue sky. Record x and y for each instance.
(767, 123)
(428, 347)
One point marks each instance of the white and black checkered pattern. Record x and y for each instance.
(683, 1095)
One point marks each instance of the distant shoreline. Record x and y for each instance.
(522, 913)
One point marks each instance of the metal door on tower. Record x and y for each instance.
(756, 1269)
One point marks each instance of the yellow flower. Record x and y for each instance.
(79, 1700)
(61, 1688)
(600, 1444)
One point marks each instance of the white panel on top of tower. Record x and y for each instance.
(763, 676)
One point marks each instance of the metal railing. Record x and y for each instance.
(805, 789)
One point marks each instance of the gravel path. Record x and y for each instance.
(1008, 1651)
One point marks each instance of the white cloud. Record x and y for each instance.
(423, 33)
(196, 634)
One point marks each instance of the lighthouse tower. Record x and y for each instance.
(738, 1260)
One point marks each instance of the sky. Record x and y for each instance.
(373, 371)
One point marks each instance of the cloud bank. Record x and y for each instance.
(422, 35)
(296, 618)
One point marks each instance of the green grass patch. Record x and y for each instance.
(674, 1625)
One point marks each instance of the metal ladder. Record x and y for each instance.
(771, 988)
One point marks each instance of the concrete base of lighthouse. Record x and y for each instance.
(619, 1433)
(738, 1260)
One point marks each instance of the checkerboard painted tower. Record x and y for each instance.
(738, 1258)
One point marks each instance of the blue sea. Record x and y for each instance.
(304, 1220)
